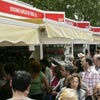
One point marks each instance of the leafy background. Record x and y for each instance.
(81, 10)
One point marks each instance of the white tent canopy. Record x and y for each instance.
(62, 30)
(58, 40)
(14, 31)
(96, 39)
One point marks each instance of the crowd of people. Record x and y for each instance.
(76, 79)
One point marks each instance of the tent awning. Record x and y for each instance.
(96, 38)
(14, 31)
(58, 29)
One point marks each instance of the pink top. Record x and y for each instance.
(54, 81)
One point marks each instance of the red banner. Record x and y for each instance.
(57, 16)
(95, 29)
(15, 9)
(80, 24)
(83, 24)
(70, 22)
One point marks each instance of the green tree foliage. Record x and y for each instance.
(82, 10)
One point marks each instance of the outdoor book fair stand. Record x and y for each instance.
(22, 24)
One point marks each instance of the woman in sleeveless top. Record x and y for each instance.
(38, 81)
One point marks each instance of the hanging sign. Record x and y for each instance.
(70, 22)
(95, 29)
(14, 8)
(80, 24)
(56, 16)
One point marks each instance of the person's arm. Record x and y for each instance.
(95, 79)
(49, 89)
(44, 79)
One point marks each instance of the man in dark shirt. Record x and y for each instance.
(5, 90)
(78, 62)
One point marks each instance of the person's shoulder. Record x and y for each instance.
(9, 99)
(29, 99)
(62, 79)
(22, 99)
(48, 69)
(82, 90)
(42, 74)
(93, 71)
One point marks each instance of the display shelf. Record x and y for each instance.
(57, 50)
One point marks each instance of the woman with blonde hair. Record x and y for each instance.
(68, 94)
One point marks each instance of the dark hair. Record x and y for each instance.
(89, 60)
(69, 68)
(86, 51)
(45, 62)
(70, 78)
(34, 66)
(57, 71)
(10, 67)
(21, 80)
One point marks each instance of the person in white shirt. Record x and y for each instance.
(90, 76)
